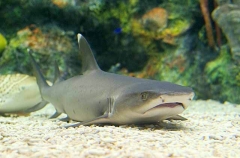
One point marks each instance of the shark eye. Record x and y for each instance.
(144, 96)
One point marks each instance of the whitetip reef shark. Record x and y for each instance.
(98, 97)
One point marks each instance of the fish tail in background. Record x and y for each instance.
(37, 107)
(41, 81)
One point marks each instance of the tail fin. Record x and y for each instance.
(40, 79)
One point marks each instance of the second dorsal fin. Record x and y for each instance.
(88, 61)
(57, 77)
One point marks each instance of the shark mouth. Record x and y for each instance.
(169, 105)
(166, 105)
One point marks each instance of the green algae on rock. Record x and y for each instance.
(3, 42)
(223, 77)
(45, 40)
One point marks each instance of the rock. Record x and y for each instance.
(225, 16)
(155, 19)
(222, 2)
(45, 40)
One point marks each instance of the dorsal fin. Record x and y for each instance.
(57, 77)
(88, 61)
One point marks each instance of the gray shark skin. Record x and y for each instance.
(98, 97)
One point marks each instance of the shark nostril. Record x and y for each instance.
(162, 99)
(191, 96)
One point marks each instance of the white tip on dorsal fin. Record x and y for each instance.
(88, 61)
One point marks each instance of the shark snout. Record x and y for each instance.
(168, 101)
(183, 99)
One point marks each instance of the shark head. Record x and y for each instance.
(151, 101)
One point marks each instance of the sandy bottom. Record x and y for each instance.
(212, 130)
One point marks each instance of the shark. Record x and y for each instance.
(19, 94)
(99, 97)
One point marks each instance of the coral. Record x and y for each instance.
(218, 30)
(206, 16)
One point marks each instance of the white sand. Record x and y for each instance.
(212, 130)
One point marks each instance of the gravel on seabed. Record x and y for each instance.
(212, 130)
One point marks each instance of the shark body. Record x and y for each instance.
(99, 97)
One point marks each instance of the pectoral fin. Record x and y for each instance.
(65, 119)
(98, 120)
(55, 115)
(177, 117)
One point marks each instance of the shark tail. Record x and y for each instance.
(41, 81)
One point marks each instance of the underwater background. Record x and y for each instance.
(194, 43)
